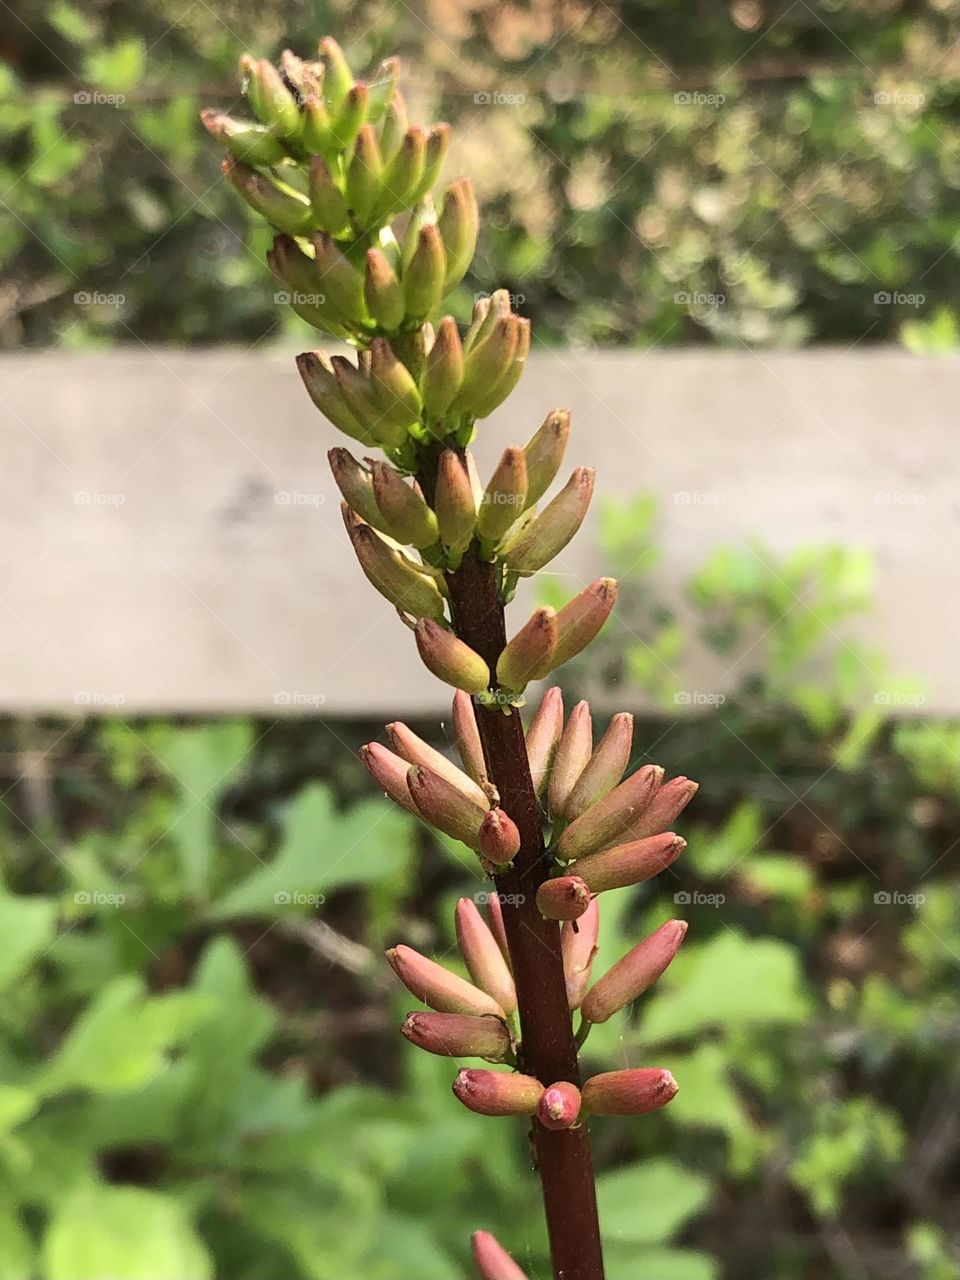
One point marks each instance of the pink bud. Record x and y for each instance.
(573, 753)
(493, 1261)
(527, 656)
(499, 839)
(543, 738)
(580, 621)
(578, 944)
(604, 822)
(668, 803)
(459, 1035)
(560, 1106)
(445, 806)
(498, 1093)
(483, 957)
(438, 987)
(448, 658)
(629, 1093)
(390, 774)
(628, 864)
(635, 973)
(605, 767)
(563, 898)
(497, 927)
(414, 750)
(468, 736)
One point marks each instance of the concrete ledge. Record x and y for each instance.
(171, 538)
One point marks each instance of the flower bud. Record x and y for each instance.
(459, 1035)
(389, 772)
(497, 926)
(414, 750)
(602, 824)
(629, 864)
(563, 898)
(543, 738)
(340, 280)
(503, 385)
(504, 497)
(629, 1093)
(381, 88)
(486, 363)
(559, 1106)
(408, 518)
(294, 269)
(271, 100)
(468, 736)
(403, 173)
(669, 802)
(450, 659)
(356, 484)
(458, 224)
(283, 208)
(395, 388)
(498, 1093)
(545, 452)
(438, 987)
(394, 128)
(635, 973)
(382, 291)
(392, 573)
(454, 502)
(456, 813)
(253, 144)
(423, 278)
(578, 946)
(316, 125)
(546, 536)
(443, 369)
(360, 397)
(320, 381)
(527, 656)
(499, 840)
(438, 140)
(580, 621)
(483, 957)
(346, 124)
(364, 174)
(605, 767)
(573, 754)
(492, 1260)
(337, 76)
(329, 206)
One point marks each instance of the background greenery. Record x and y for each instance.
(200, 1074)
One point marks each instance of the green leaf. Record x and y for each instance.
(16, 1256)
(117, 68)
(27, 927)
(16, 1105)
(658, 1264)
(126, 1232)
(647, 1203)
(730, 981)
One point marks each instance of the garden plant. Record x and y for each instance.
(364, 253)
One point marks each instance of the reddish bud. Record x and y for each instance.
(563, 898)
(605, 767)
(580, 621)
(635, 973)
(528, 655)
(438, 987)
(452, 811)
(498, 1093)
(560, 1106)
(459, 1035)
(468, 736)
(627, 864)
(629, 1093)
(414, 750)
(573, 754)
(610, 817)
(390, 774)
(578, 945)
(668, 803)
(499, 839)
(483, 957)
(543, 738)
(493, 1261)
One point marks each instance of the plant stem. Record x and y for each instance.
(549, 1051)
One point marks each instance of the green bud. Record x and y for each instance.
(365, 405)
(486, 312)
(355, 483)
(329, 206)
(381, 88)
(528, 653)
(403, 173)
(283, 207)
(454, 501)
(442, 370)
(391, 573)
(580, 621)
(337, 76)
(320, 381)
(382, 291)
(423, 278)
(449, 658)
(545, 452)
(554, 527)
(486, 363)
(339, 279)
(394, 128)
(364, 174)
(504, 385)
(408, 517)
(394, 385)
(444, 806)
(573, 753)
(252, 143)
(438, 139)
(346, 124)
(272, 102)
(316, 129)
(504, 497)
(543, 738)
(458, 224)
(605, 767)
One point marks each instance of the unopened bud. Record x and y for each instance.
(503, 385)
(578, 946)
(284, 209)
(339, 279)
(254, 144)
(316, 125)
(527, 656)
(458, 224)
(553, 528)
(635, 973)
(438, 987)
(392, 573)
(414, 750)
(580, 621)
(605, 767)
(328, 203)
(545, 452)
(346, 124)
(468, 736)
(499, 840)
(389, 772)
(629, 1093)
(337, 78)
(364, 174)
(454, 501)
(271, 100)
(442, 370)
(492, 1260)
(573, 754)
(423, 277)
(403, 173)
(498, 1093)
(450, 659)
(456, 813)
(559, 1106)
(394, 127)
(483, 957)
(543, 738)
(356, 484)
(504, 498)
(320, 381)
(629, 864)
(438, 140)
(459, 1035)
(396, 390)
(354, 385)
(606, 821)
(382, 291)
(487, 361)
(381, 88)
(563, 898)
(665, 807)
(407, 517)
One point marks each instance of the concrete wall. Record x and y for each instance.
(171, 538)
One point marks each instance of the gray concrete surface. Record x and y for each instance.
(171, 538)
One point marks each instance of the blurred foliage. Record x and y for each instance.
(759, 172)
(201, 1071)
